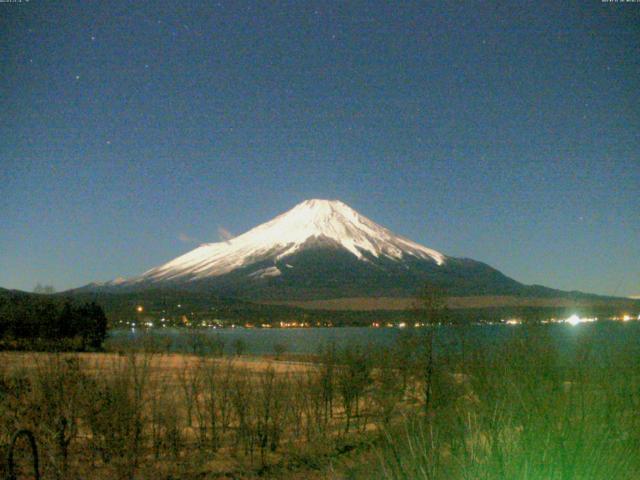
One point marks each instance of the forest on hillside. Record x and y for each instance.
(44, 322)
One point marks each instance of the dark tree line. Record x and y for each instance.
(26, 319)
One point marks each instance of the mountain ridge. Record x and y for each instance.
(323, 249)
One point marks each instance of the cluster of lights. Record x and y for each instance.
(571, 320)
(294, 324)
(397, 325)
(625, 318)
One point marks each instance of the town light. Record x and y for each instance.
(573, 320)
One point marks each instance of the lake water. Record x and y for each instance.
(310, 340)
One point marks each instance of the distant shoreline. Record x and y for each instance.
(477, 301)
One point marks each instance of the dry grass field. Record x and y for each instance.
(143, 415)
(165, 365)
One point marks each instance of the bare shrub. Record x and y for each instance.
(389, 385)
(353, 377)
(116, 415)
(279, 349)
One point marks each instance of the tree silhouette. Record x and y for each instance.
(431, 307)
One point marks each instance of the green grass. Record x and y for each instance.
(526, 411)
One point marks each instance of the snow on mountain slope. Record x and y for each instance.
(312, 221)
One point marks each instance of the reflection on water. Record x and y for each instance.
(310, 340)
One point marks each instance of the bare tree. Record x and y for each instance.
(279, 349)
(431, 307)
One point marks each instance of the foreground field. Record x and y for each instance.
(144, 415)
(521, 410)
(166, 366)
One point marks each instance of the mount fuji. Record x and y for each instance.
(321, 249)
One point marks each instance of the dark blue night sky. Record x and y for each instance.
(507, 132)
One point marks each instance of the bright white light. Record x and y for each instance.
(626, 318)
(573, 320)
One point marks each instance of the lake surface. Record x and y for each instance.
(310, 340)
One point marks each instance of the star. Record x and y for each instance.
(77, 77)
(93, 39)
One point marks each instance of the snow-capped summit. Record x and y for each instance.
(310, 223)
(320, 249)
